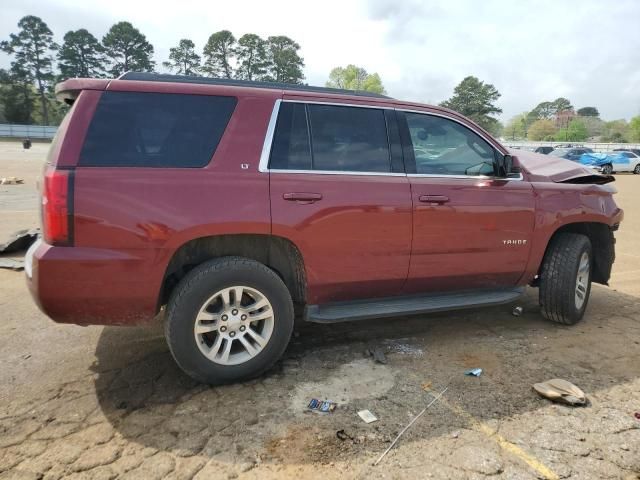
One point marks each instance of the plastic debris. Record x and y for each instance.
(367, 416)
(19, 241)
(559, 390)
(517, 311)
(475, 372)
(11, 181)
(637, 415)
(320, 406)
(11, 264)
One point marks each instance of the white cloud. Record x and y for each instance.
(531, 51)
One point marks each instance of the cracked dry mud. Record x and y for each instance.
(110, 403)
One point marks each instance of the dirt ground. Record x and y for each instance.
(103, 403)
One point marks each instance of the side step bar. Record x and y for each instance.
(408, 305)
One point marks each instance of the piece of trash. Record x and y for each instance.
(426, 386)
(559, 390)
(637, 415)
(378, 355)
(455, 434)
(26, 357)
(342, 435)
(320, 406)
(517, 311)
(435, 399)
(20, 241)
(476, 372)
(367, 416)
(11, 181)
(11, 264)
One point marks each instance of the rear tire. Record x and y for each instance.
(229, 319)
(565, 278)
(637, 169)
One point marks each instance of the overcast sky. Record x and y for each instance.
(585, 50)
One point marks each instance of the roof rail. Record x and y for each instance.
(161, 77)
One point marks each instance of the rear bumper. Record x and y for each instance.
(90, 286)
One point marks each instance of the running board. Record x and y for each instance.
(408, 305)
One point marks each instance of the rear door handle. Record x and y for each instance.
(302, 197)
(439, 199)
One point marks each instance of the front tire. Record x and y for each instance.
(565, 278)
(636, 170)
(229, 319)
(607, 169)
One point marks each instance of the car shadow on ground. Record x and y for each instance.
(151, 402)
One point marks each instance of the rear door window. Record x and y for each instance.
(132, 129)
(330, 138)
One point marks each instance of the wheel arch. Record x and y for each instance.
(278, 253)
(602, 245)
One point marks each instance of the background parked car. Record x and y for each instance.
(544, 150)
(632, 150)
(611, 162)
(571, 153)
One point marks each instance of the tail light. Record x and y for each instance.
(57, 207)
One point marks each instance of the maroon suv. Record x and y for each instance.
(229, 203)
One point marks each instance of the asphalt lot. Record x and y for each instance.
(94, 402)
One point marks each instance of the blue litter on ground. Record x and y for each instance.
(476, 372)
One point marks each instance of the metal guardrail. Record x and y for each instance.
(596, 147)
(12, 130)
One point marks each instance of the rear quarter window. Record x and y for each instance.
(133, 129)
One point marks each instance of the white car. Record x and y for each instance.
(632, 166)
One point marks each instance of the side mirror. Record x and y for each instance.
(505, 165)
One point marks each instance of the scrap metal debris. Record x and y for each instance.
(517, 311)
(11, 264)
(475, 372)
(20, 241)
(559, 390)
(435, 399)
(367, 416)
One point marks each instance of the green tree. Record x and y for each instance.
(542, 110)
(127, 49)
(615, 131)
(588, 112)
(285, 65)
(17, 96)
(81, 55)
(595, 126)
(575, 132)
(219, 53)
(542, 129)
(183, 59)
(561, 104)
(352, 77)
(252, 58)
(32, 48)
(476, 100)
(516, 128)
(633, 131)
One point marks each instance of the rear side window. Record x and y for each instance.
(330, 138)
(132, 129)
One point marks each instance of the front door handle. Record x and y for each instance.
(437, 199)
(305, 197)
